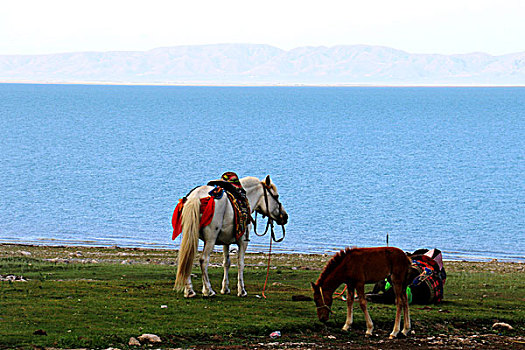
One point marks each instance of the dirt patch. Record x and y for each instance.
(442, 341)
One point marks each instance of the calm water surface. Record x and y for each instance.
(105, 165)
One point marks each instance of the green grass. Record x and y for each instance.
(104, 304)
(99, 305)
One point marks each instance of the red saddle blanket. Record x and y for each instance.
(207, 210)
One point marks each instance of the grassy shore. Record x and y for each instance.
(85, 297)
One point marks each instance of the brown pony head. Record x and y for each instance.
(323, 302)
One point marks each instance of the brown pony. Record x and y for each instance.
(355, 267)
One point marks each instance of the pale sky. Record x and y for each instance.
(445, 26)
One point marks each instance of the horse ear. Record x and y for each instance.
(313, 285)
(267, 180)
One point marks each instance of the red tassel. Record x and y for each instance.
(175, 220)
(207, 210)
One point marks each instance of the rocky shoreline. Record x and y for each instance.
(122, 255)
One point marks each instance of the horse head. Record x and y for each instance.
(271, 206)
(323, 302)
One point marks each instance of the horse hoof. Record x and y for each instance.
(392, 336)
(225, 291)
(242, 294)
(209, 295)
(190, 295)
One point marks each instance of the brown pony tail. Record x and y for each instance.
(190, 223)
(409, 259)
(407, 279)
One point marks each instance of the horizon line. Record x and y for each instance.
(407, 85)
(268, 45)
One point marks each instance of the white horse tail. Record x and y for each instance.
(190, 223)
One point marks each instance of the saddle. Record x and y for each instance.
(229, 183)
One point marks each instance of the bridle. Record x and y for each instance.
(324, 303)
(267, 191)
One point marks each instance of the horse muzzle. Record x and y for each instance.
(282, 219)
(323, 317)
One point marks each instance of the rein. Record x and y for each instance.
(269, 223)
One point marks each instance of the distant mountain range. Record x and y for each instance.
(247, 64)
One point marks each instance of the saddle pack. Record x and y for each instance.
(427, 278)
(229, 183)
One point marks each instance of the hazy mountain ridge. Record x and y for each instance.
(263, 64)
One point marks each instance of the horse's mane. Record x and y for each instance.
(333, 263)
(249, 181)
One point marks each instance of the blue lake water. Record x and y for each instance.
(105, 165)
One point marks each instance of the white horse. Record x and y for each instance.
(262, 197)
